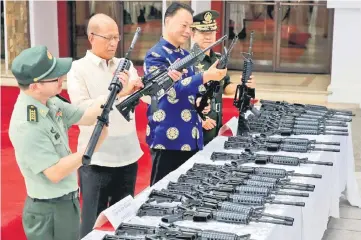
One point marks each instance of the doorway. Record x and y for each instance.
(288, 36)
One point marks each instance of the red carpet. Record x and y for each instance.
(12, 184)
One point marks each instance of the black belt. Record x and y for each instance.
(66, 197)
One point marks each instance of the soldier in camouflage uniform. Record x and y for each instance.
(204, 34)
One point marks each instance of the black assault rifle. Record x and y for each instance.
(158, 82)
(242, 99)
(213, 87)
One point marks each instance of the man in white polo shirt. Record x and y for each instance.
(112, 173)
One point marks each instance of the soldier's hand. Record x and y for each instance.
(251, 83)
(209, 123)
(213, 73)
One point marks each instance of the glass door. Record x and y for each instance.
(304, 37)
(288, 36)
(147, 16)
(244, 17)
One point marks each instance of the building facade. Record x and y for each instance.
(302, 37)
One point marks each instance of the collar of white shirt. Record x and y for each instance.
(98, 60)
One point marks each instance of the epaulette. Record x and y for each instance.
(32, 113)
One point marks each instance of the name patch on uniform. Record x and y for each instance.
(32, 113)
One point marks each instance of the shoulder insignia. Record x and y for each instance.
(32, 113)
(167, 49)
(154, 54)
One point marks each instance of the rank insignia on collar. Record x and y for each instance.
(32, 113)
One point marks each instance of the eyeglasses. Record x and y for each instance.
(116, 38)
(54, 80)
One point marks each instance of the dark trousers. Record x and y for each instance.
(51, 220)
(101, 187)
(166, 161)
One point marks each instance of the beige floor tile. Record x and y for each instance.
(350, 213)
(345, 224)
(333, 234)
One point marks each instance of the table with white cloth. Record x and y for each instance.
(310, 221)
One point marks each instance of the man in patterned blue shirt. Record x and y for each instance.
(174, 131)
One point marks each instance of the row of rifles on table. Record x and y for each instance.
(232, 192)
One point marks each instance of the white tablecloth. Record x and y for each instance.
(311, 220)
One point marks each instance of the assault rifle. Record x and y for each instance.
(213, 87)
(292, 141)
(264, 159)
(114, 88)
(158, 82)
(235, 185)
(242, 99)
(228, 178)
(199, 214)
(259, 123)
(256, 145)
(171, 231)
(199, 201)
(308, 107)
(275, 116)
(262, 171)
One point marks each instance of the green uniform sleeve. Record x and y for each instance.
(71, 113)
(39, 153)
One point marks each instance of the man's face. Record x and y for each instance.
(105, 40)
(50, 87)
(204, 39)
(178, 26)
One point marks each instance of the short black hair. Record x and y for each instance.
(174, 7)
(23, 86)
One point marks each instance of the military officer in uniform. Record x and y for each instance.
(38, 131)
(204, 34)
(174, 131)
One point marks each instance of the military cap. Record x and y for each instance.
(37, 63)
(205, 21)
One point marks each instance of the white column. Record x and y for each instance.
(43, 16)
(346, 51)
